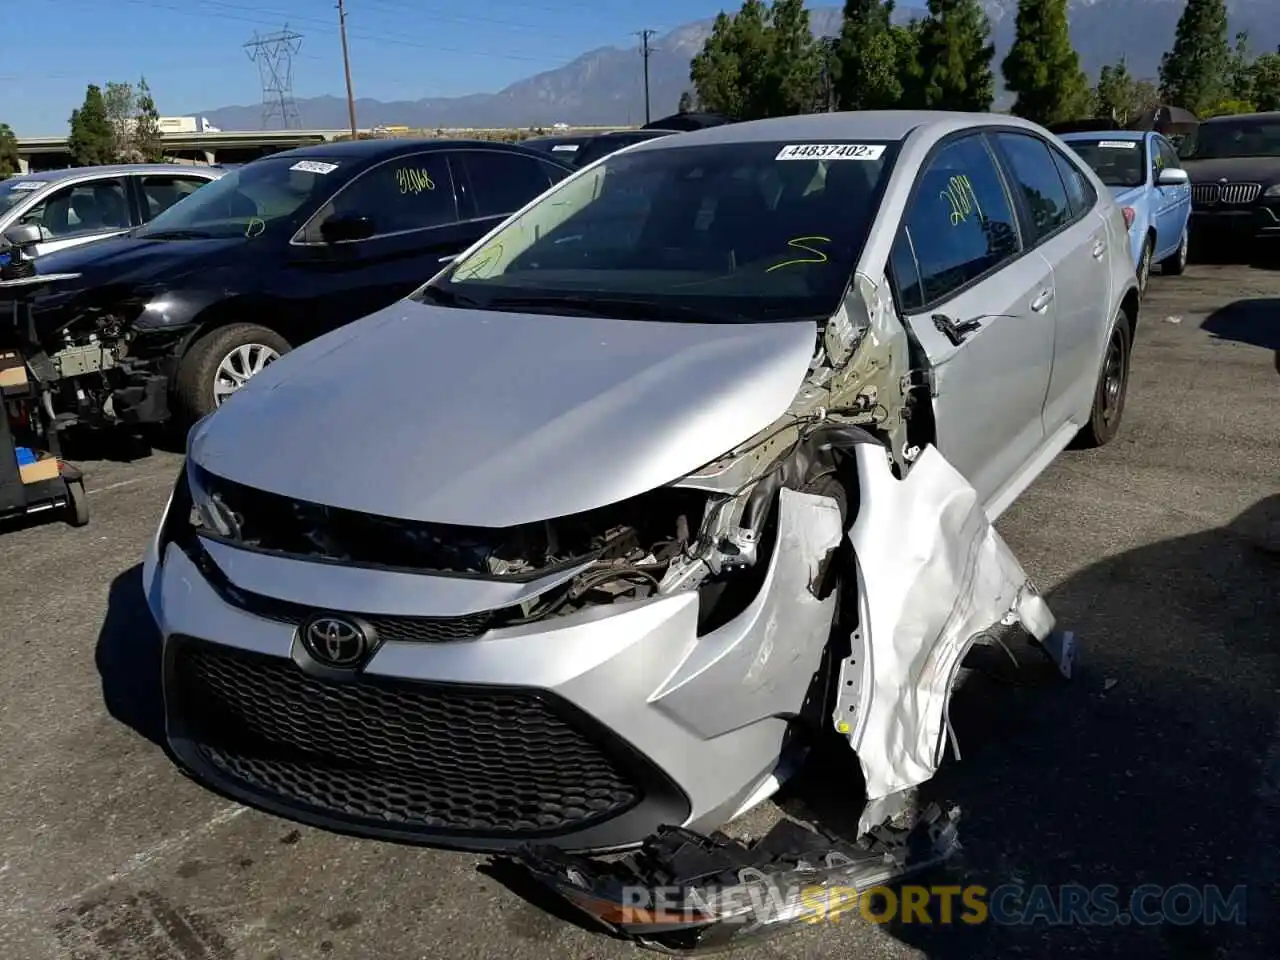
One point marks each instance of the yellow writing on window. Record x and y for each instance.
(414, 181)
(803, 243)
(960, 194)
(483, 260)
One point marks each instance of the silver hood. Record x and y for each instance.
(494, 419)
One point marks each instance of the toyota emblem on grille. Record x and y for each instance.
(335, 641)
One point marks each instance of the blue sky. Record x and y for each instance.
(191, 51)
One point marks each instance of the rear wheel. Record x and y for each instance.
(77, 504)
(1176, 264)
(1112, 388)
(220, 363)
(1144, 267)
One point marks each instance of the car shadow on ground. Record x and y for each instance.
(1143, 769)
(1255, 322)
(128, 658)
(1261, 254)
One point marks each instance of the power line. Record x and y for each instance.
(273, 54)
(346, 68)
(645, 51)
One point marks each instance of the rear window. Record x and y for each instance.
(1117, 162)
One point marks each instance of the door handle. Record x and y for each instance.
(1041, 303)
(1099, 248)
(955, 330)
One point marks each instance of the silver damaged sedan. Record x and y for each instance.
(690, 463)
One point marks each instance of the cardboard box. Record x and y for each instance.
(46, 469)
(13, 369)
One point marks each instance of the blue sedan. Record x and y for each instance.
(1148, 182)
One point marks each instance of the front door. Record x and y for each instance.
(981, 305)
(413, 211)
(1173, 203)
(80, 213)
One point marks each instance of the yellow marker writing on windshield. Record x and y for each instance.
(414, 181)
(963, 199)
(802, 243)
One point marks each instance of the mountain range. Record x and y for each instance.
(605, 86)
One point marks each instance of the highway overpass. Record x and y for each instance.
(223, 146)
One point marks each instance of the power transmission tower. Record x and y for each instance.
(645, 51)
(273, 53)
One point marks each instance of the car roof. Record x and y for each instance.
(1107, 134)
(1236, 117)
(69, 173)
(872, 125)
(375, 150)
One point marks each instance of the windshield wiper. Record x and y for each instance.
(623, 308)
(177, 235)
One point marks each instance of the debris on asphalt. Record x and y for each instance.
(1173, 319)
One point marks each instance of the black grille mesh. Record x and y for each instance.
(400, 754)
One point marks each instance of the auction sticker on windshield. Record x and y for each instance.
(27, 185)
(831, 151)
(314, 166)
(1118, 144)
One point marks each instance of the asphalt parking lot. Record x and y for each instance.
(1158, 764)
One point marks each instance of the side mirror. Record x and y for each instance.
(26, 234)
(344, 228)
(1173, 177)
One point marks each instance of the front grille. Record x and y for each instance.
(1210, 194)
(395, 754)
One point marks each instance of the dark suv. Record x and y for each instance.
(1234, 164)
(276, 253)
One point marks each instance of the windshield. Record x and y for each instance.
(738, 231)
(1233, 138)
(268, 194)
(1118, 163)
(14, 190)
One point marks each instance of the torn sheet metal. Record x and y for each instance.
(933, 577)
(686, 893)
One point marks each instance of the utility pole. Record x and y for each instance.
(346, 67)
(645, 50)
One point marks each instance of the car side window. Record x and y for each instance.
(1080, 193)
(960, 219)
(413, 192)
(83, 208)
(1036, 176)
(555, 173)
(905, 273)
(1170, 154)
(502, 183)
(159, 193)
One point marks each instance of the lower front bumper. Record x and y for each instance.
(589, 731)
(1262, 220)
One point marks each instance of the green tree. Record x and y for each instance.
(867, 74)
(686, 103)
(759, 62)
(793, 76)
(1194, 74)
(1266, 81)
(1113, 96)
(118, 100)
(147, 142)
(9, 161)
(1042, 66)
(952, 68)
(92, 140)
(1240, 70)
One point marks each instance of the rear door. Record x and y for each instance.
(1075, 244)
(413, 208)
(981, 305)
(156, 192)
(493, 184)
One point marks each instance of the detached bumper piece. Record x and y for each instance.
(683, 893)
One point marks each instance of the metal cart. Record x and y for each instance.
(27, 418)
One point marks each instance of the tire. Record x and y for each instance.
(1176, 265)
(214, 361)
(77, 504)
(1144, 266)
(1112, 388)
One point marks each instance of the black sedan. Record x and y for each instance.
(277, 252)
